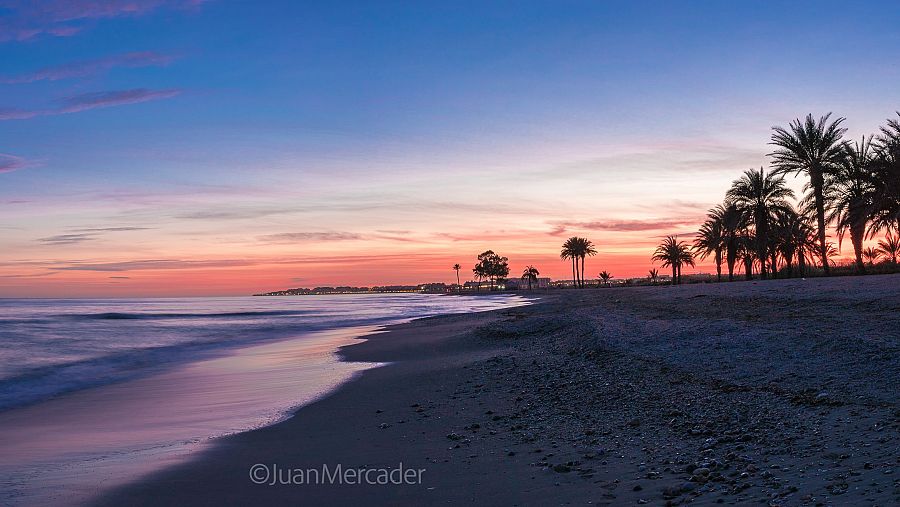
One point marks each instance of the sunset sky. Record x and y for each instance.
(154, 147)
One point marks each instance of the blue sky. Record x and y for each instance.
(207, 127)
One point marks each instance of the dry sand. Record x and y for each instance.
(783, 392)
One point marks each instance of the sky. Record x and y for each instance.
(168, 148)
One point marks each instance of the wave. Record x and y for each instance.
(152, 316)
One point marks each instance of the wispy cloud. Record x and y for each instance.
(112, 229)
(114, 98)
(82, 235)
(27, 19)
(92, 100)
(92, 67)
(67, 239)
(626, 225)
(151, 264)
(291, 237)
(10, 163)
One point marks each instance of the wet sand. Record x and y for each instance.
(770, 393)
(71, 448)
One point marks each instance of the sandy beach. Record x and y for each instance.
(778, 393)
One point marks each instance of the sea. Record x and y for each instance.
(96, 392)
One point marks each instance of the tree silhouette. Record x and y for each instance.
(814, 148)
(531, 274)
(491, 266)
(585, 248)
(849, 196)
(457, 267)
(569, 251)
(605, 277)
(711, 238)
(886, 175)
(871, 255)
(759, 196)
(674, 253)
(889, 247)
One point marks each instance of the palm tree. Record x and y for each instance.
(653, 276)
(746, 248)
(711, 239)
(585, 248)
(674, 253)
(886, 174)
(814, 148)
(871, 255)
(733, 222)
(570, 251)
(790, 238)
(457, 267)
(605, 277)
(849, 196)
(531, 274)
(889, 247)
(759, 196)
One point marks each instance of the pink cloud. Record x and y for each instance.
(92, 100)
(64, 18)
(91, 67)
(10, 163)
(627, 225)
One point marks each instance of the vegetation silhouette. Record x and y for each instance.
(577, 249)
(605, 277)
(814, 148)
(674, 253)
(530, 274)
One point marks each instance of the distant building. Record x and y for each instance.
(522, 284)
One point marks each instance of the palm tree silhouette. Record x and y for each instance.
(760, 196)
(814, 148)
(674, 253)
(457, 267)
(889, 247)
(605, 277)
(789, 236)
(569, 251)
(576, 249)
(886, 175)
(711, 239)
(849, 196)
(653, 275)
(586, 248)
(733, 222)
(871, 255)
(531, 274)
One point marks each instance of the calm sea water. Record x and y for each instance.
(48, 347)
(97, 393)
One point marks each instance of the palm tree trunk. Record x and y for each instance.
(816, 179)
(674, 273)
(730, 258)
(582, 271)
(458, 285)
(857, 231)
(718, 264)
(789, 259)
(748, 268)
(774, 264)
(574, 279)
(679, 273)
(801, 262)
(762, 231)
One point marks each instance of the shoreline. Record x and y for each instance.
(85, 441)
(776, 392)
